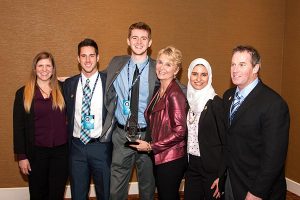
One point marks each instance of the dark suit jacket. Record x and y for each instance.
(211, 137)
(24, 126)
(70, 88)
(257, 143)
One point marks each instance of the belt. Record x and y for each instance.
(126, 128)
(92, 140)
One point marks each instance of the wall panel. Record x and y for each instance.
(290, 85)
(204, 28)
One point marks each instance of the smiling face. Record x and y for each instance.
(166, 70)
(242, 70)
(139, 42)
(44, 70)
(199, 77)
(88, 60)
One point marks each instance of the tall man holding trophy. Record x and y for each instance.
(130, 85)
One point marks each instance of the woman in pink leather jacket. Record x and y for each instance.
(166, 117)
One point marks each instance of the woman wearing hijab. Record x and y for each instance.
(205, 135)
(40, 131)
(166, 118)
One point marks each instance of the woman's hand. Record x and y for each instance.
(25, 166)
(252, 197)
(216, 185)
(141, 146)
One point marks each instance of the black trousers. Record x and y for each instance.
(168, 177)
(198, 181)
(49, 173)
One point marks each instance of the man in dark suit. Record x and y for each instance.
(257, 132)
(119, 85)
(89, 140)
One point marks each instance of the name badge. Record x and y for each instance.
(88, 122)
(126, 107)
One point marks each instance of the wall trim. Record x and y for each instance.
(23, 193)
(293, 186)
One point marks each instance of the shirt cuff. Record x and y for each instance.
(21, 157)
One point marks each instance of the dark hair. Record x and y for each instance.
(255, 57)
(141, 26)
(87, 43)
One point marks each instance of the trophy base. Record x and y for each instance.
(128, 143)
(132, 140)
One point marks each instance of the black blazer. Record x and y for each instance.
(257, 142)
(69, 90)
(23, 126)
(211, 136)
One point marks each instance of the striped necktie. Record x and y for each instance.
(235, 105)
(85, 110)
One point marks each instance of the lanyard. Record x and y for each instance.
(93, 87)
(137, 77)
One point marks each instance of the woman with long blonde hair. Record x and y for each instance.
(40, 133)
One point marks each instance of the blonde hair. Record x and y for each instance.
(30, 86)
(174, 54)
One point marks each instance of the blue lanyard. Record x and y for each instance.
(137, 77)
(93, 87)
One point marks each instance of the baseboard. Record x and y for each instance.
(23, 193)
(293, 186)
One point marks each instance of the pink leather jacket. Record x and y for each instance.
(167, 123)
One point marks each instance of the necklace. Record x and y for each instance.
(192, 117)
(157, 99)
(47, 95)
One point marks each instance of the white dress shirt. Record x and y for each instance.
(96, 106)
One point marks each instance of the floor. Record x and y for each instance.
(289, 196)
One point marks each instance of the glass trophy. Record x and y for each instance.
(132, 127)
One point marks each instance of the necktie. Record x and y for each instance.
(134, 100)
(235, 105)
(85, 110)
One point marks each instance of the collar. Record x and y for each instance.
(140, 64)
(92, 78)
(245, 92)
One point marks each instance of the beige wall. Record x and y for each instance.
(291, 83)
(206, 28)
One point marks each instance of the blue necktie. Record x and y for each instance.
(85, 110)
(235, 105)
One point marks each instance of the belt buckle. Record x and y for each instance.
(94, 140)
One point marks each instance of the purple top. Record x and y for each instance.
(50, 125)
